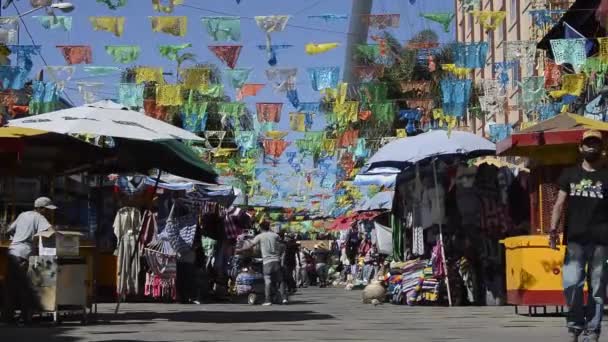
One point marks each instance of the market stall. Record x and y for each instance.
(447, 219)
(534, 270)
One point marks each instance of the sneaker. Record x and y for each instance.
(267, 304)
(285, 302)
(196, 302)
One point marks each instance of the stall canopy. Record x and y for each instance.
(552, 141)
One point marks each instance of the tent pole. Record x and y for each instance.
(120, 295)
(445, 264)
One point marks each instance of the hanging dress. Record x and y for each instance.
(126, 228)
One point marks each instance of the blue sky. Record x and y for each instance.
(301, 30)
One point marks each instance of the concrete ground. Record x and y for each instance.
(313, 315)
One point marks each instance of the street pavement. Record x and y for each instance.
(313, 315)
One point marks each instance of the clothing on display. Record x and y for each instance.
(126, 225)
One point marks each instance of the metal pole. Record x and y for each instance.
(357, 34)
(445, 263)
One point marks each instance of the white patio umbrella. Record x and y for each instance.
(105, 118)
(407, 151)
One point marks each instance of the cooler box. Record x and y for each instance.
(533, 271)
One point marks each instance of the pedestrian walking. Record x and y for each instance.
(584, 188)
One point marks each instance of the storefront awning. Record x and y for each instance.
(554, 140)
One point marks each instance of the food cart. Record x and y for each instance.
(533, 270)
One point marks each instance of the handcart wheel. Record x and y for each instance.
(252, 298)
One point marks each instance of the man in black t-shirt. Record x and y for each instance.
(585, 188)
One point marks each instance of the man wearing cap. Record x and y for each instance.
(585, 189)
(24, 228)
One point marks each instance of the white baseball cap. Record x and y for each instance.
(44, 202)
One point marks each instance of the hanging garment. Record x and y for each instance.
(9, 30)
(324, 77)
(24, 55)
(169, 95)
(114, 25)
(45, 97)
(229, 54)
(445, 19)
(123, 53)
(159, 5)
(269, 112)
(238, 77)
(570, 51)
(383, 112)
(297, 122)
(411, 117)
(90, 91)
(245, 140)
(126, 228)
(113, 4)
(373, 92)
(365, 115)
(490, 20)
(194, 116)
(149, 74)
(175, 26)
(272, 52)
(315, 49)
(471, 55)
(249, 89)
(131, 95)
(216, 135)
(223, 29)
(455, 96)
(76, 54)
(195, 78)
(171, 52)
(51, 22)
(381, 21)
(60, 74)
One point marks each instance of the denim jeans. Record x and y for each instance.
(322, 270)
(585, 262)
(273, 277)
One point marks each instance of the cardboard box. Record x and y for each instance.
(59, 242)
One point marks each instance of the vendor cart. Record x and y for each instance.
(533, 270)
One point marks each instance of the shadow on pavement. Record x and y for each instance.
(220, 317)
(40, 333)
